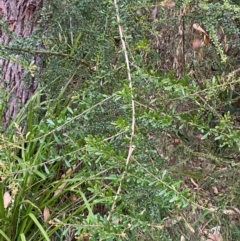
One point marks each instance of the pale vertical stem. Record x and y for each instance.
(131, 147)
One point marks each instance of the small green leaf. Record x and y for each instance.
(50, 122)
(205, 136)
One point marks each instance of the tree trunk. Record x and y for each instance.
(20, 17)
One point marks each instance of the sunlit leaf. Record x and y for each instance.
(7, 199)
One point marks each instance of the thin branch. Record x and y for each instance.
(234, 72)
(183, 43)
(131, 146)
(33, 51)
(44, 52)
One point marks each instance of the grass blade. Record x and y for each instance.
(86, 203)
(4, 235)
(22, 236)
(2, 211)
(40, 227)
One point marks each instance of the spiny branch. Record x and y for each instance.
(44, 52)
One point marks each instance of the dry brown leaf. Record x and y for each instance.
(83, 237)
(200, 55)
(123, 235)
(60, 189)
(199, 28)
(190, 227)
(168, 3)
(230, 212)
(46, 214)
(199, 137)
(197, 43)
(182, 238)
(155, 13)
(194, 183)
(160, 227)
(6, 199)
(225, 43)
(73, 198)
(71, 169)
(177, 141)
(211, 209)
(68, 172)
(206, 39)
(167, 223)
(215, 190)
(215, 237)
(237, 210)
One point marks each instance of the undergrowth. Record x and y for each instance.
(114, 148)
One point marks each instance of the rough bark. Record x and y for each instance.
(21, 17)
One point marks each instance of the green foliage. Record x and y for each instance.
(102, 159)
